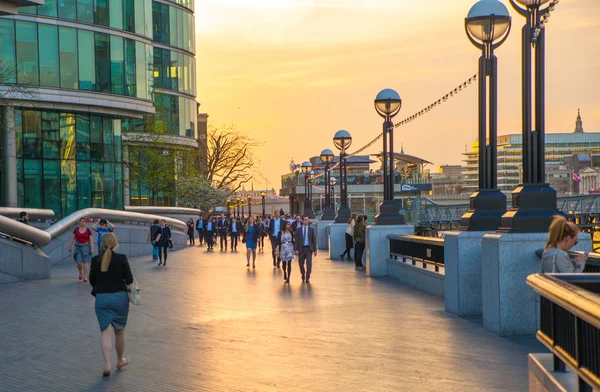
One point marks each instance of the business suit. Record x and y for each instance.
(223, 228)
(273, 233)
(210, 233)
(235, 233)
(306, 246)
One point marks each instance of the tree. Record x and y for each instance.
(195, 192)
(227, 157)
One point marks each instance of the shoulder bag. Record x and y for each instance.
(133, 291)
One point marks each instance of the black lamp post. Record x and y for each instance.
(387, 104)
(342, 140)
(249, 205)
(487, 26)
(326, 158)
(263, 194)
(306, 167)
(238, 199)
(228, 203)
(533, 201)
(310, 190)
(332, 182)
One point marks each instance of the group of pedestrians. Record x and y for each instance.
(355, 238)
(159, 236)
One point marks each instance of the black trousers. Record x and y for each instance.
(191, 235)
(359, 250)
(273, 247)
(234, 240)
(223, 236)
(162, 249)
(210, 238)
(305, 257)
(200, 235)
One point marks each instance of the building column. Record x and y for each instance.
(126, 184)
(11, 196)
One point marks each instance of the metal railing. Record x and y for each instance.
(427, 251)
(163, 210)
(17, 230)
(34, 213)
(570, 323)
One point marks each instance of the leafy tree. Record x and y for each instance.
(195, 192)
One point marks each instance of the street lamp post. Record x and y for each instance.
(332, 182)
(306, 167)
(310, 190)
(249, 205)
(342, 140)
(238, 199)
(327, 157)
(487, 26)
(387, 104)
(228, 203)
(533, 201)
(263, 194)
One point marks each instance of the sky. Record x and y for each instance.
(290, 73)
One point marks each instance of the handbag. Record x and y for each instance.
(133, 291)
(170, 244)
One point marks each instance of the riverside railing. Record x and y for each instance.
(570, 323)
(34, 213)
(163, 210)
(423, 252)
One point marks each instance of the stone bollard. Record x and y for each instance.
(378, 246)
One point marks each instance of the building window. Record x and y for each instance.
(116, 14)
(27, 54)
(69, 71)
(85, 11)
(87, 60)
(117, 65)
(7, 48)
(66, 9)
(101, 15)
(48, 9)
(102, 53)
(48, 38)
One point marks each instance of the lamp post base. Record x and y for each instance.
(533, 206)
(309, 212)
(389, 214)
(328, 214)
(485, 211)
(343, 215)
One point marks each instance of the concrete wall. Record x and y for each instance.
(22, 262)
(421, 279)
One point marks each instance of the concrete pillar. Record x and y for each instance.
(337, 240)
(378, 246)
(126, 184)
(322, 242)
(11, 196)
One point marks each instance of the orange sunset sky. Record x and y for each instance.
(292, 72)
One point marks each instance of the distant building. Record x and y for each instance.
(590, 180)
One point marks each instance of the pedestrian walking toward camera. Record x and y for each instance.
(190, 232)
(235, 229)
(210, 233)
(306, 248)
(359, 242)
(82, 240)
(251, 234)
(262, 233)
(275, 226)
(222, 229)
(163, 240)
(563, 236)
(109, 277)
(105, 227)
(286, 250)
(152, 235)
(349, 237)
(200, 225)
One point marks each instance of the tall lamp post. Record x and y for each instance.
(249, 205)
(387, 104)
(332, 182)
(306, 167)
(327, 157)
(342, 140)
(533, 201)
(238, 200)
(310, 186)
(487, 26)
(263, 194)
(228, 203)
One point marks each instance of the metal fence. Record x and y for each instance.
(426, 252)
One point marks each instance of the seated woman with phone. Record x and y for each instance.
(562, 237)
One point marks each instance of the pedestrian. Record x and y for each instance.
(105, 227)
(200, 225)
(285, 240)
(306, 248)
(359, 242)
(563, 236)
(349, 240)
(262, 233)
(210, 234)
(23, 217)
(222, 229)
(82, 240)
(109, 277)
(235, 228)
(275, 227)
(152, 234)
(251, 239)
(162, 240)
(190, 232)
(297, 223)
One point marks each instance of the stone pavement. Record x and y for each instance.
(210, 324)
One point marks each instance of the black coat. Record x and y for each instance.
(272, 226)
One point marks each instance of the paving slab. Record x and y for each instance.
(210, 324)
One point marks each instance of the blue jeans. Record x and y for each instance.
(154, 251)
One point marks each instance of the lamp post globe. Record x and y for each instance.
(342, 140)
(388, 104)
(532, 3)
(488, 22)
(327, 158)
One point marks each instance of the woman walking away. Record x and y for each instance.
(190, 232)
(162, 241)
(285, 239)
(109, 278)
(359, 242)
(262, 233)
(562, 237)
(251, 235)
(82, 239)
(349, 235)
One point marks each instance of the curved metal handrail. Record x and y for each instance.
(34, 213)
(25, 232)
(66, 224)
(164, 210)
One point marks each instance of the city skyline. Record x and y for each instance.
(313, 67)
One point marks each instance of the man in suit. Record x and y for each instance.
(223, 228)
(200, 225)
(306, 248)
(210, 233)
(235, 229)
(297, 223)
(275, 226)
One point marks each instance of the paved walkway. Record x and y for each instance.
(209, 324)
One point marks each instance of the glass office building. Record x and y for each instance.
(87, 72)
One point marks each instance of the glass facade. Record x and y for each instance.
(173, 26)
(174, 71)
(68, 161)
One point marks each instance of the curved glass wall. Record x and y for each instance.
(134, 16)
(174, 115)
(69, 58)
(173, 26)
(174, 71)
(68, 161)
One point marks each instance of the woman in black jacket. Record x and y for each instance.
(109, 276)
(162, 241)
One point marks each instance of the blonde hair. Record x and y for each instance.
(109, 244)
(560, 228)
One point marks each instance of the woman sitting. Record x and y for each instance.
(562, 237)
